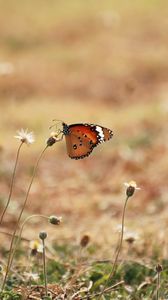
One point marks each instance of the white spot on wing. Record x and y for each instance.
(100, 133)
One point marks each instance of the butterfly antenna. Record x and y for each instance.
(53, 126)
(56, 121)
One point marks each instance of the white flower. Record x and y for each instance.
(131, 236)
(33, 276)
(35, 245)
(119, 228)
(25, 137)
(40, 249)
(131, 187)
(132, 184)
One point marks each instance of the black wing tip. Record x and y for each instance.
(100, 141)
(111, 134)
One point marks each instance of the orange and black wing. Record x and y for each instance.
(81, 139)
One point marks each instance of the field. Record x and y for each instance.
(102, 62)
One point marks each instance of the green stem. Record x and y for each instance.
(121, 240)
(44, 268)
(158, 285)
(105, 291)
(10, 234)
(20, 215)
(12, 182)
(118, 250)
(20, 233)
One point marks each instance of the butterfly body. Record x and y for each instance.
(81, 138)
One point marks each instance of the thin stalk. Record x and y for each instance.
(12, 182)
(44, 268)
(121, 239)
(20, 233)
(20, 215)
(118, 250)
(158, 285)
(105, 291)
(10, 234)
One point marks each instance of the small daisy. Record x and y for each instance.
(131, 237)
(131, 187)
(131, 183)
(33, 276)
(119, 228)
(25, 137)
(35, 247)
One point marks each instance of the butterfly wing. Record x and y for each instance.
(82, 138)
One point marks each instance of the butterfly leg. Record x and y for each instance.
(58, 139)
(58, 136)
(57, 131)
(54, 125)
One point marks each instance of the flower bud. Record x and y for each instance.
(51, 141)
(85, 240)
(131, 187)
(130, 191)
(55, 220)
(159, 268)
(42, 235)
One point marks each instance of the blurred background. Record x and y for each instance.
(104, 62)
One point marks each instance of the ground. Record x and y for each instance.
(103, 63)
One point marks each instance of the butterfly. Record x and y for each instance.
(81, 139)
